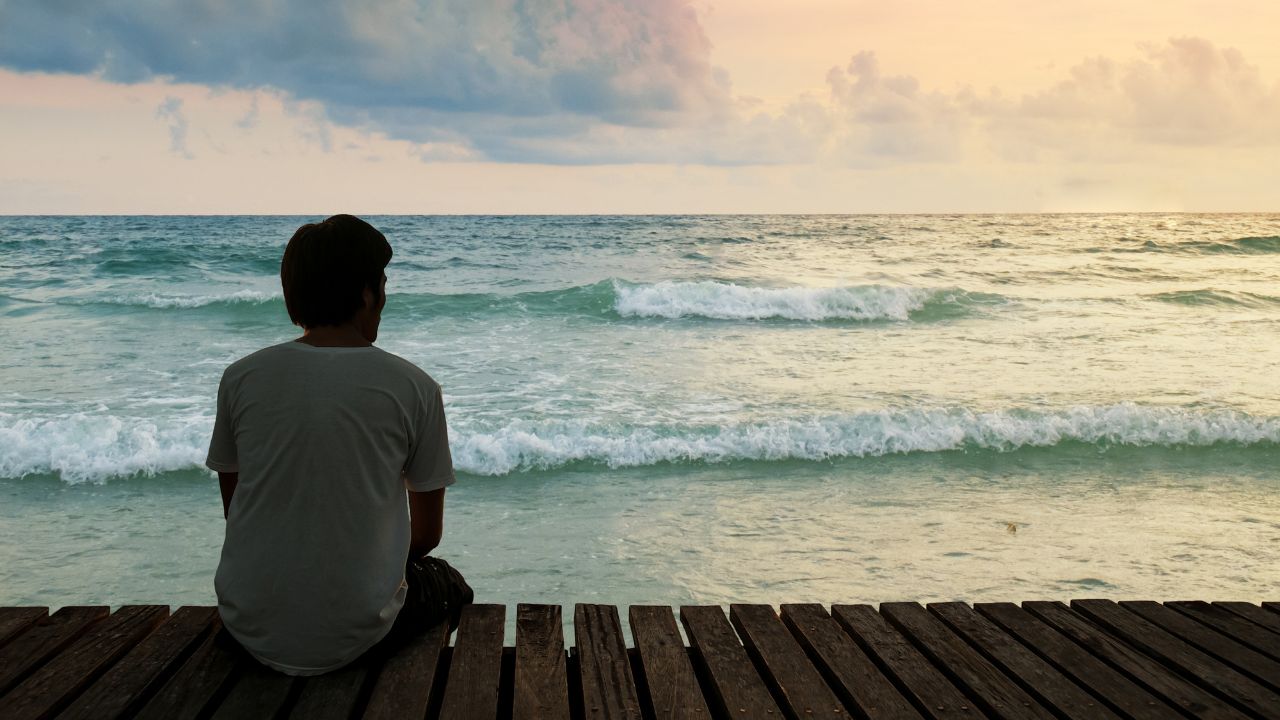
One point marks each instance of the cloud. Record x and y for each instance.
(171, 111)
(1186, 94)
(621, 81)
(1186, 91)
(627, 62)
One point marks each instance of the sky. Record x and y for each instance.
(638, 106)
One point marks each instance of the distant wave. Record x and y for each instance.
(168, 301)
(707, 299)
(1253, 245)
(1244, 246)
(1215, 297)
(728, 301)
(96, 446)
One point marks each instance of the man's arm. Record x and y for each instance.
(426, 518)
(227, 484)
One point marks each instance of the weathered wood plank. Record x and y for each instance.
(736, 687)
(331, 696)
(1245, 659)
(42, 640)
(674, 693)
(541, 680)
(1152, 675)
(472, 687)
(608, 688)
(1235, 687)
(847, 669)
(1253, 613)
(140, 671)
(999, 696)
(407, 679)
(14, 620)
(259, 693)
(783, 663)
(1272, 606)
(56, 682)
(200, 679)
(1115, 688)
(927, 688)
(1228, 623)
(1046, 683)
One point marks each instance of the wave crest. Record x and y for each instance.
(167, 302)
(727, 301)
(542, 446)
(96, 446)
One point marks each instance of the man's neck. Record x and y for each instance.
(347, 335)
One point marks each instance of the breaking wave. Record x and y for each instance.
(727, 301)
(97, 446)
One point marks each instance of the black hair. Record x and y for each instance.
(326, 268)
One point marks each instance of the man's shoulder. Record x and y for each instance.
(257, 357)
(406, 368)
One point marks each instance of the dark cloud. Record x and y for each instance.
(415, 69)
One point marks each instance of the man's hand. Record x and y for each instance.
(426, 517)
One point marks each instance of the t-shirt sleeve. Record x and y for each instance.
(430, 466)
(222, 455)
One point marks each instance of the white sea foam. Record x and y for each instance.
(156, 300)
(95, 446)
(531, 446)
(727, 301)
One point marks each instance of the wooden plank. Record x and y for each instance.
(143, 669)
(1049, 686)
(847, 669)
(56, 682)
(1150, 674)
(199, 681)
(472, 688)
(783, 663)
(927, 688)
(998, 695)
(42, 640)
(14, 620)
(1115, 689)
(541, 681)
(1253, 613)
(407, 679)
(736, 688)
(331, 696)
(259, 693)
(674, 693)
(1272, 606)
(1235, 687)
(1228, 623)
(608, 688)
(1245, 659)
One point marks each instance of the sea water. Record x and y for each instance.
(691, 409)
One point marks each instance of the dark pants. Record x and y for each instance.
(436, 595)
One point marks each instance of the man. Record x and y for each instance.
(315, 443)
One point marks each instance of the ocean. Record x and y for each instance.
(691, 409)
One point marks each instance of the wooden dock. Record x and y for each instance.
(1086, 659)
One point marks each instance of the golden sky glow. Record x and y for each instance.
(748, 106)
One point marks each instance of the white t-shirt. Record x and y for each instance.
(325, 440)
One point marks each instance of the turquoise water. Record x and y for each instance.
(691, 409)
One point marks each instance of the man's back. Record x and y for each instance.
(312, 569)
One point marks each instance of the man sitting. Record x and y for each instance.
(315, 443)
